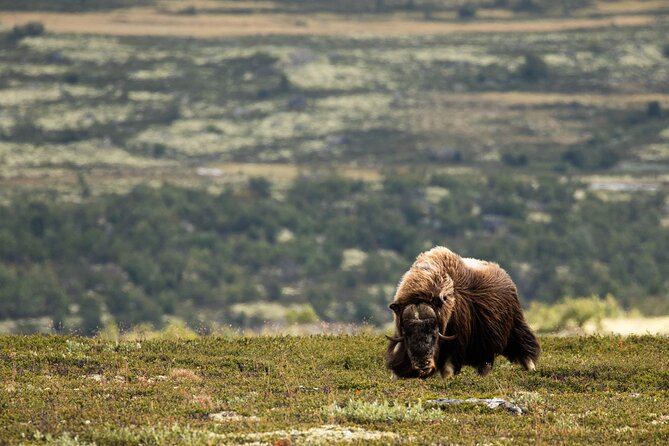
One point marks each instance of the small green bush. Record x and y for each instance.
(303, 314)
(572, 312)
(653, 109)
(467, 11)
(30, 29)
(533, 68)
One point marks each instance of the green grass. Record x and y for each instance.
(322, 389)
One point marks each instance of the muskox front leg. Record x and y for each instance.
(447, 369)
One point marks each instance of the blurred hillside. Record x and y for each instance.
(243, 162)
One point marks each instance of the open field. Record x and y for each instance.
(149, 22)
(211, 18)
(321, 390)
(123, 108)
(627, 326)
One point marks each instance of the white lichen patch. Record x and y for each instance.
(28, 69)
(654, 152)
(7, 122)
(581, 60)
(640, 56)
(321, 435)
(660, 419)
(476, 55)
(29, 95)
(81, 153)
(226, 416)
(149, 96)
(328, 116)
(366, 412)
(325, 75)
(219, 55)
(363, 110)
(97, 49)
(82, 91)
(526, 399)
(61, 117)
(160, 71)
(191, 137)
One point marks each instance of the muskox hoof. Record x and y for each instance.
(528, 364)
(447, 370)
(484, 369)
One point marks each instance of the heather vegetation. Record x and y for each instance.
(306, 390)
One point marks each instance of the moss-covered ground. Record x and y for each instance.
(321, 389)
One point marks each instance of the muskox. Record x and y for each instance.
(451, 311)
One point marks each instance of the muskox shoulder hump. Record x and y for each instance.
(475, 263)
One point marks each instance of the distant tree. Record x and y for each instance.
(534, 68)
(514, 159)
(84, 187)
(71, 78)
(30, 29)
(260, 187)
(89, 310)
(428, 9)
(654, 110)
(528, 6)
(467, 11)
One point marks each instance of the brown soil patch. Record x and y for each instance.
(147, 21)
(288, 172)
(184, 375)
(525, 98)
(629, 7)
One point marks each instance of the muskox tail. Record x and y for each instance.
(522, 346)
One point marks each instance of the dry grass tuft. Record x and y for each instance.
(184, 375)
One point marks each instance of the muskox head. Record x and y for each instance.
(418, 326)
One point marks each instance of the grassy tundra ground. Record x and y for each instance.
(306, 390)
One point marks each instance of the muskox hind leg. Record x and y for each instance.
(522, 346)
(485, 368)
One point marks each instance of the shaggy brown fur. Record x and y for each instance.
(474, 300)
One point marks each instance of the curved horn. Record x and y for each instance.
(396, 339)
(446, 338)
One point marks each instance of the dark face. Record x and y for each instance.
(421, 337)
